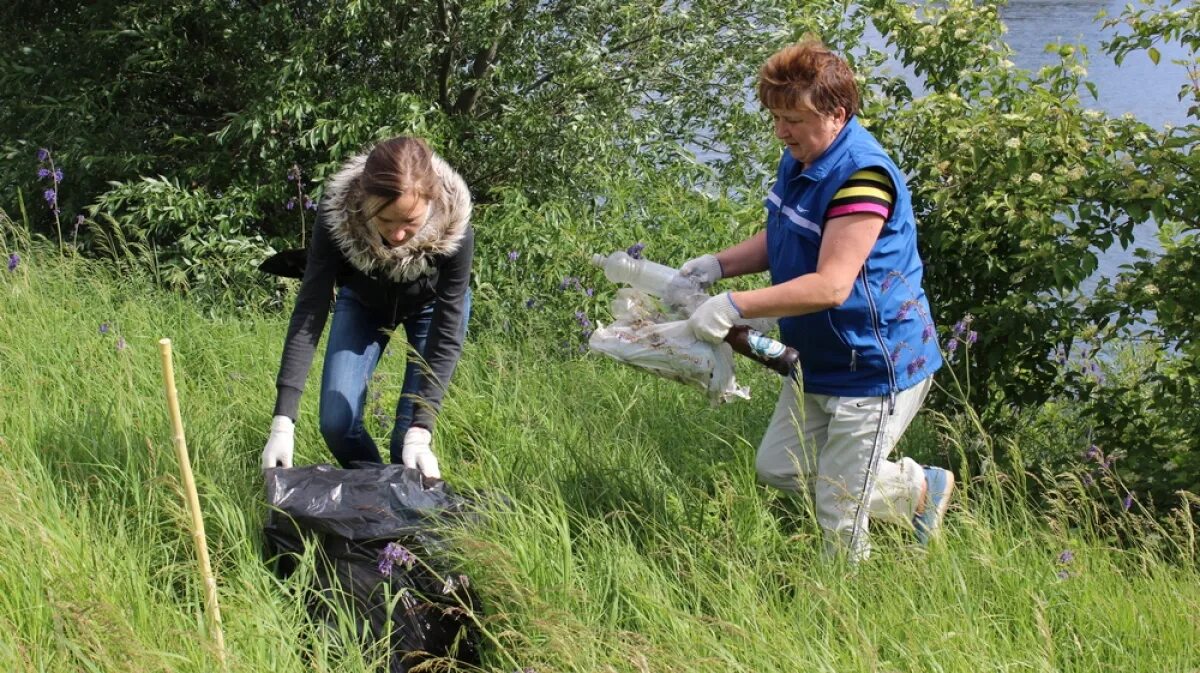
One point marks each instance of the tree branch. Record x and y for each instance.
(479, 69)
(613, 50)
(486, 58)
(443, 59)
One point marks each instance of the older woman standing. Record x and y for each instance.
(394, 233)
(841, 247)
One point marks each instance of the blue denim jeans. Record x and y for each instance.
(357, 339)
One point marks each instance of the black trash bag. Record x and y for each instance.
(286, 264)
(364, 524)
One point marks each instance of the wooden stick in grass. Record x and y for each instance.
(193, 500)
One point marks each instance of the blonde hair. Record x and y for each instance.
(396, 167)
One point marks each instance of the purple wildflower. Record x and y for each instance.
(392, 554)
(1092, 453)
(530, 303)
(513, 255)
(927, 333)
(566, 282)
(960, 327)
(43, 173)
(1088, 480)
(589, 291)
(309, 204)
(104, 328)
(43, 154)
(13, 260)
(58, 175)
(582, 319)
(293, 173)
(1066, 556)
(1063, 574)
(972, 336)
(1128, 502)
(290, 203)
(51, 196)
(952, 345)
(916, 365)
(121, 345)
(635, 250)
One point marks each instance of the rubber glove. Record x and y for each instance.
(712, 320)
(704, 270)
(281, 443)
(418, 454)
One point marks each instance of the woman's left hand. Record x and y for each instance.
(418, 453)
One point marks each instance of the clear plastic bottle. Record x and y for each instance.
(656, 279)
(642, 274)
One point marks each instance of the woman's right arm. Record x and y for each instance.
(749, 256)
(308, 319)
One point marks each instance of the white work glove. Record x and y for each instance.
(704, 270)
(418, 454)
(280, 444)
(712, 320)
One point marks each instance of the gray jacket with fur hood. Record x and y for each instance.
(394, 283)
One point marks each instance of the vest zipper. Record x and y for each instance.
(853, 353)
(879, 337)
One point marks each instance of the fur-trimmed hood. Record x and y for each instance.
(359, 241)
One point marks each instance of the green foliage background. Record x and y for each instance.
(578, 127)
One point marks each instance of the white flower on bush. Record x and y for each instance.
(1013, 143)
(1035, 178)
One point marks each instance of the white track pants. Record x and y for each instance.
(836, 448)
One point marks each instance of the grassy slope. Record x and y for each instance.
(638, 539)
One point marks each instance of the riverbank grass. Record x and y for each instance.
(634, 537)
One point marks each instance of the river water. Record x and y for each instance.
(1139, 87)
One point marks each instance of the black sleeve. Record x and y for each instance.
(444, 344)
(308, 319)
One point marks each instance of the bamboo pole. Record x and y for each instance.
(193, 500)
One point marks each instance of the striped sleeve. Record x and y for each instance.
(867, 191)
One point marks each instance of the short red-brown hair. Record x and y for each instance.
(808, 75)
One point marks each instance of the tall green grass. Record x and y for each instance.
(633, 538)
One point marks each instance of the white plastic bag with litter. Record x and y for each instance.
(639, 337)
